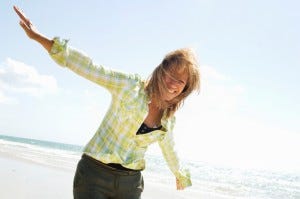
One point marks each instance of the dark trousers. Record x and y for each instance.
(95, 180)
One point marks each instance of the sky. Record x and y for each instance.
(246, 115)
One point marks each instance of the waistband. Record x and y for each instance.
(111, 167)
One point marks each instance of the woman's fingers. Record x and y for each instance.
(178, 185)
(21, 14)
(25, 23)
(31, 30)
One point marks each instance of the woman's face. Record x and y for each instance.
(175, 82)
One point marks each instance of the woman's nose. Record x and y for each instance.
(174, 88)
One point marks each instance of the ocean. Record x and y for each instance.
(216, 179)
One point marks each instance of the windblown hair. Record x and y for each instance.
(178, 60)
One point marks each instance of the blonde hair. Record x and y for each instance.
(178, 60)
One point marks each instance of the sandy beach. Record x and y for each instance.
(22, 179)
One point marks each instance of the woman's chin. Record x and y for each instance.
(167, 98)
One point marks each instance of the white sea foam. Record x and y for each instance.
(62, 159)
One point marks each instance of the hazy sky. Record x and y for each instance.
(247, 113)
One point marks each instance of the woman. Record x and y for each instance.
(141, 113)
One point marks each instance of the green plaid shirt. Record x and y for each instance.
(116, 140)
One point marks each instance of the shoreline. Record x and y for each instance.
(28, 169)
(26, 179)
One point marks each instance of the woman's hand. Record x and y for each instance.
(178, 185)
(32, 32)
(26, 24)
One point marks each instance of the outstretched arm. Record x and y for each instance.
(167, 145)
(77, 61)
(32, 32)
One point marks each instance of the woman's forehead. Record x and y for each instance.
(176, 70)
(178, 74)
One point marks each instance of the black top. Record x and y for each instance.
(145, 129)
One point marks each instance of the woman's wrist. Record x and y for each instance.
(44, 41)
